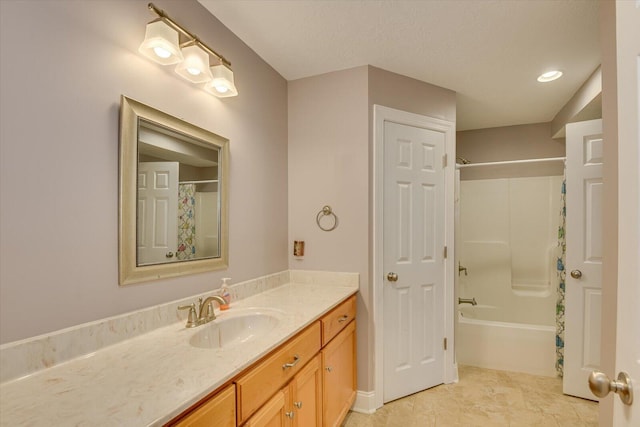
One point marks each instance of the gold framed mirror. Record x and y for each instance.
(173, 217)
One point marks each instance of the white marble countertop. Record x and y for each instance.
(150, 379)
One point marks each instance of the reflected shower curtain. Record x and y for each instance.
(186, 221)
(561, 274)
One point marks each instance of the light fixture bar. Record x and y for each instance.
(165, 18)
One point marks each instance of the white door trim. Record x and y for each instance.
(380, 115)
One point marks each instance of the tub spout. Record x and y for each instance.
(471, 301)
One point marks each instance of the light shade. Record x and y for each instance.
(221, 84)
(195, 66)
(161, 44)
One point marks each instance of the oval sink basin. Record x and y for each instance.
(236, 327)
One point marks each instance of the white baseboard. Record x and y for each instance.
(365, 402)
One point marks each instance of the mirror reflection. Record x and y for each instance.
(178, 197)
(173, 178)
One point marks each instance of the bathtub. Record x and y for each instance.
(483, 340)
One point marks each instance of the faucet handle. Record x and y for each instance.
(191, 321)
(209, 313)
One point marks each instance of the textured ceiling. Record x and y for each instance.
(488, 51)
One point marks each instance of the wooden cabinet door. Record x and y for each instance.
(274, 413)
(339, 376)
(219, 411)
(273, 373)
(306, 395)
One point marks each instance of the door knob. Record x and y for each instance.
(601, 385)
(576, 274)
(392, 277)
(169, 255)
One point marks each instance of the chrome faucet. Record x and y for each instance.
(471, 301)
(203, 313)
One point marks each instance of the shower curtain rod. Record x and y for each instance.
(513, 162)
(204, 181)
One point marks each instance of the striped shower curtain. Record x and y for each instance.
(561, 274)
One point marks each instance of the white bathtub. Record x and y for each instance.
(501, 345)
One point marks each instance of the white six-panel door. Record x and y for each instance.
(583, 295)
(157, 212)
(414, 236)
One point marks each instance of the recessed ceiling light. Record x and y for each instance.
(550, 76)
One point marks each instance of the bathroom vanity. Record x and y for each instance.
(310, 380)
(300, 370)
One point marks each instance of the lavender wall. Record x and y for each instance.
(64, 65)
(330, 162)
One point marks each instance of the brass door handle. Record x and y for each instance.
(601, 385)
(392, 277)
(576, 274)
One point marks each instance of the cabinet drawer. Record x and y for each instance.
(218, 411)
(337, 319)
(261, 382)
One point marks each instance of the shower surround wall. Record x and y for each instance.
(509, 244)
(509, 248)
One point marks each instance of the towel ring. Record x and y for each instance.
(326, 211)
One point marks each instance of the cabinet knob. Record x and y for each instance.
(297, 405)
(289, 414)
(329, 368)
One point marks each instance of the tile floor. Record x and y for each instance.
(485, 397)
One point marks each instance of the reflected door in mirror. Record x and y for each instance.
(157, 212)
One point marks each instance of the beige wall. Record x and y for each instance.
(414, 96)
(330, 162)
(531, 141)
(64, 66)
(328, 165)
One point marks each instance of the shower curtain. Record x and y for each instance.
(186, 222)
(561, 274)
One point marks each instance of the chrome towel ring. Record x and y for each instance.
(327, 211)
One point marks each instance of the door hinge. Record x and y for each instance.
(445, 252)
(444, 161)
(445, 343)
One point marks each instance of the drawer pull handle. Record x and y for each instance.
(298, 405)
(296, 359)
(343, 318)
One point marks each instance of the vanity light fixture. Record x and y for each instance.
(162, 45)
(221, 84)
(550, 76)
(195, 66)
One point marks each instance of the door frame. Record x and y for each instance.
(382, 114)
